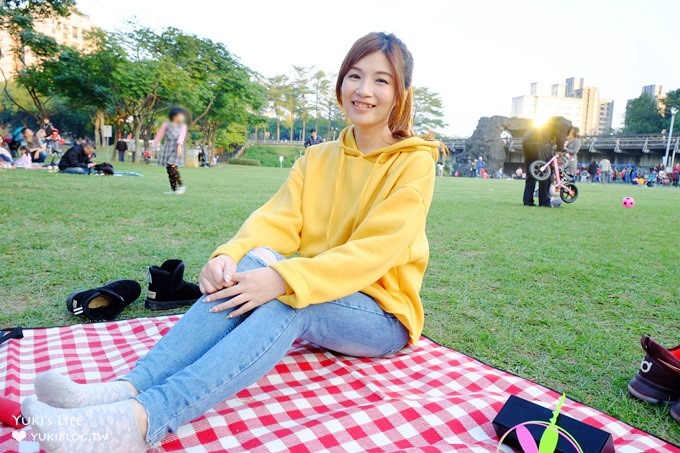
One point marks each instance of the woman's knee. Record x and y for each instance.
(266, 254)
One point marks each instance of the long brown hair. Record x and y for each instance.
(400, 121)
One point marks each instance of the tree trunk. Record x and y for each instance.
(278, 130)
(137, 124)
(304, 129)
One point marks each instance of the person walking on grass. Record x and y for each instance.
(171, 154)
(336, 257)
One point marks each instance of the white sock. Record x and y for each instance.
(110, 428)
(59, 391)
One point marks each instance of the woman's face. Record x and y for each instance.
(179, 118)
(368, 91)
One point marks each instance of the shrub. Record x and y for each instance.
(244, 161)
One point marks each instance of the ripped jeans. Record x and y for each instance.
(206, 357)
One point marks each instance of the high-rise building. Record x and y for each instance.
(572, 84)
(69, 31)
(655, 91)
(572, 100)
(606, 116)
(559, 90)
(590, 109)
(540, 108)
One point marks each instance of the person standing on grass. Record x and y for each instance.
(171, 154)
(479, 166)
(605, 171)
(592, 170)
(537, 145)
(336, 257)
(121, 147)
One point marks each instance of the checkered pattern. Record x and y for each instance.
(426, 398)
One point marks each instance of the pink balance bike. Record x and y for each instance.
(542, 170)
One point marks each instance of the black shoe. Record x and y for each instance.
(167, 288)
(105, 302)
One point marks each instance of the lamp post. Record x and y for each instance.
(674, 111)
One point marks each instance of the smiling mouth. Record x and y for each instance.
(362, 105)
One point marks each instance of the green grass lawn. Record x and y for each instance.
(268, 155)
(559, 296)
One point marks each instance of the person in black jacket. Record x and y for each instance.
(78, 159)
(313, 139)
(538, 145)
(121, 147)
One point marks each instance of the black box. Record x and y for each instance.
(517, 410)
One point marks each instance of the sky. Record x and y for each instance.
(477, 54)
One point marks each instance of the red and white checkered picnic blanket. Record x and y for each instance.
(426, 398)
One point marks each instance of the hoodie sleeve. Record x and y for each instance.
(277, 224)
(377, 245)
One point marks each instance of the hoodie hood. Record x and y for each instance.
(408, 145)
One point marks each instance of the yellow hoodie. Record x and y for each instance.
(357, 223)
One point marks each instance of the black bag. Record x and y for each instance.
(14, 148)
(105, 168)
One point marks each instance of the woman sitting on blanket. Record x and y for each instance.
(336, 257)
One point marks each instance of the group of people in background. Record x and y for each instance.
(26, 148)
(604, 172)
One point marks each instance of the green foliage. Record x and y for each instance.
(428, 107)
(672, 100)
(17, 19)
(642, 116)
(231, 136)
(268, 155)
(244, 161)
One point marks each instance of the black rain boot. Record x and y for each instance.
(167, 288)
(105, 302)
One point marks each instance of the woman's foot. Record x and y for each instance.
(180, 190)
(107, 428)
(59, 391)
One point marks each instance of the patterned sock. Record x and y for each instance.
(59, 391)
(107, 428)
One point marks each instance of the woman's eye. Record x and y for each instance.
(353, 76)
(382, 81)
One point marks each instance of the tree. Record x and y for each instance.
(83, 80)
(321, 87)
(428, 115)
(276, 90)
(17, 19)
(672, 100)
(642, 116)
(301, 90)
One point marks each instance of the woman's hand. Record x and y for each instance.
(249, 289)
(180, 153)
(217, 274)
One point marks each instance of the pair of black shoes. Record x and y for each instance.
(167, 290)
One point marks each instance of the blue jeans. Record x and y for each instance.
(206, 357)
(75, 170)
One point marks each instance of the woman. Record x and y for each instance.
(171, 155)
(352, 288)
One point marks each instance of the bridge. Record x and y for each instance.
(638, 150)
